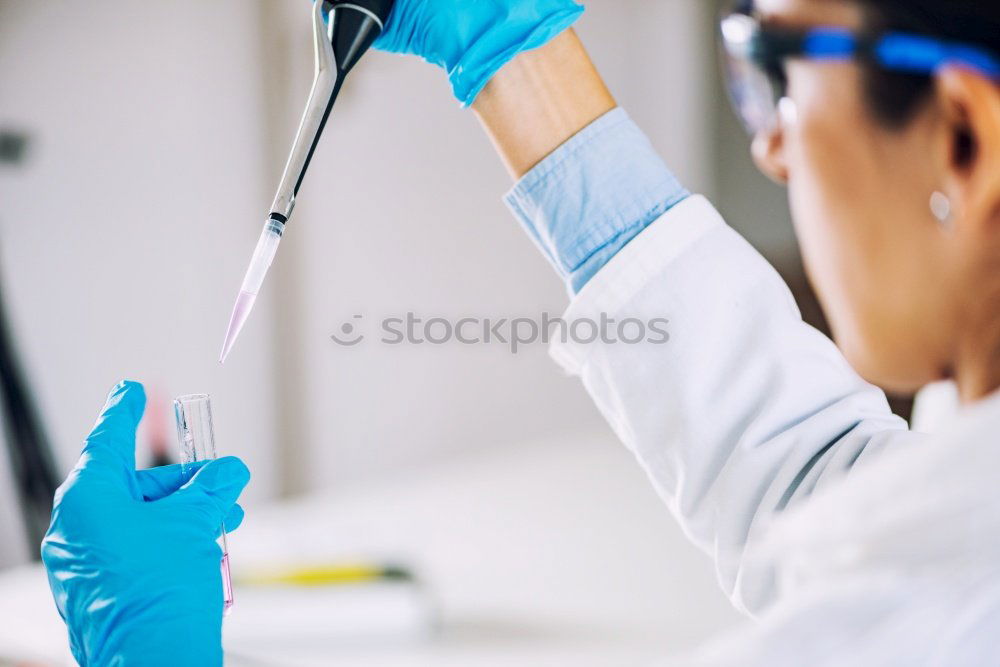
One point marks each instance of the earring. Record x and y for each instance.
(941, 208)
(788, 112)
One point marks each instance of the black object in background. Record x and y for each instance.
(13, 147)
(27, 446)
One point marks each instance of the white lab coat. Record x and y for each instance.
(747, 421)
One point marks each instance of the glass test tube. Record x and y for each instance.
(197, 440)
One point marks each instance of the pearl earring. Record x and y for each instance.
(941, 207)
(788, 112)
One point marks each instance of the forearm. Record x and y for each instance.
(541, 99)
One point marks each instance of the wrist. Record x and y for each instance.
(154, 644)
(146, 632)
(514, 32)
(541, 99)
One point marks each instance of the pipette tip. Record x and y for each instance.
(263, 255)
(241, 311)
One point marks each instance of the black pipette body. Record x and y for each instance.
(355, 27)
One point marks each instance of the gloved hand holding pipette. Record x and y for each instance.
(131, 554)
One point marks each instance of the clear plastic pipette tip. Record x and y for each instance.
(241, 311)
(263, 255)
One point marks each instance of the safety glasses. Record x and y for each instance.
(755, 57)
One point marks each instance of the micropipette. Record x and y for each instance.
(342, 33)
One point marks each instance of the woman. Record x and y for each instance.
(883, 118)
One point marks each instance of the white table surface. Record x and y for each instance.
(546, 553)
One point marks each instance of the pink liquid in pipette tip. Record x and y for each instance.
(227, 586)
(241, 311)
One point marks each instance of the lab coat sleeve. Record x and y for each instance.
(741, 409)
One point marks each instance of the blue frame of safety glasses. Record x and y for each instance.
(744, 35)
(750, 45)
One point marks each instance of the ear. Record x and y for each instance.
(971, 107)
(768, 151)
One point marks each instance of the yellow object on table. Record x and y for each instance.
(326, 575)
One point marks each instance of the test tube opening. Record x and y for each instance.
(195, 430)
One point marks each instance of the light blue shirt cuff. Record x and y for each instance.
(594, 194)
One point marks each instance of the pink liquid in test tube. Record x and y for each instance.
(197, 439)
(227, 585)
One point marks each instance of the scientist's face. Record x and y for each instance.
(900, 288)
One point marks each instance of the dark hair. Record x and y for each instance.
(895, 98)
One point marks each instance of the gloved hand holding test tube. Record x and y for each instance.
(131, 554)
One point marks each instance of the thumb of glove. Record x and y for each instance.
(215, 489)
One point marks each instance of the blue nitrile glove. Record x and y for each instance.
(473, 39)
(131, 554)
